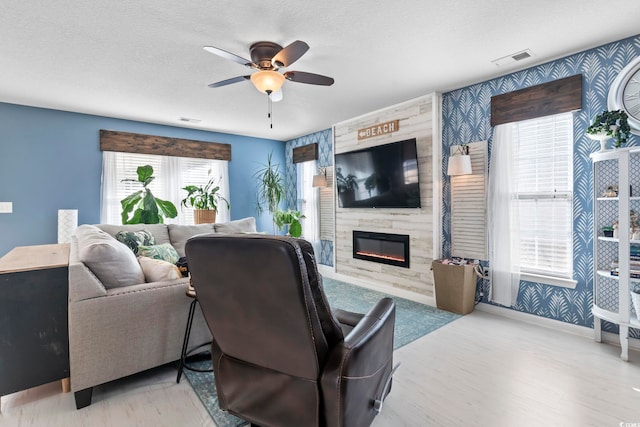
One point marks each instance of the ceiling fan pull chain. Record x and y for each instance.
(269, 109)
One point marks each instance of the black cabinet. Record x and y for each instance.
(34, 339)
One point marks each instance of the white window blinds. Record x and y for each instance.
(171, 175)
(543, 162)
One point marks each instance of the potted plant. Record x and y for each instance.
(204, 200)
(607, 231)
(146, 208)
(291, 219)
(610, 124)
(270, 189)
(347, 186)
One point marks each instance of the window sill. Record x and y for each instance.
(549, 280)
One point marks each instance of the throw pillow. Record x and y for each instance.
(157, 270)
(238, 226)
(164, 252)
(179, 234)
(133, 239)
(111, 261)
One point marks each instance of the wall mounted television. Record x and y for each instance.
(384, 176)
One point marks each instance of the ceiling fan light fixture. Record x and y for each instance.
(267, 81)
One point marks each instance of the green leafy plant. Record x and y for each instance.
(270, 187)
(291, 218)
(612, 123)
(146, 208)
(205, 197)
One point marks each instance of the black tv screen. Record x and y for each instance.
(385, 176)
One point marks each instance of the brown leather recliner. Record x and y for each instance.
(280, 355)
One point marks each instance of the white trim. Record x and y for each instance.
(549, 280)
(330, 272)
(436, 163)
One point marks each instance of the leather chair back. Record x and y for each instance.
(271, 324)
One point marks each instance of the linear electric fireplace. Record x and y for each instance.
(392, 249)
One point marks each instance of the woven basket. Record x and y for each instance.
(204, 216)
(635, 298)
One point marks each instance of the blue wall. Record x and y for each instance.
(325, 158)
(466, 118)
(51, 160)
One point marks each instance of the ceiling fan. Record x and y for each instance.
(268, 58)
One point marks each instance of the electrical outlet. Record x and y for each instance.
(6, 207)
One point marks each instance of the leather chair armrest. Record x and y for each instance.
(347, 317)
(357, 370)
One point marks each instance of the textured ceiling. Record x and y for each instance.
(144, 60)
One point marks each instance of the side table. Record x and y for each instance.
(182, 365)
(34, 334)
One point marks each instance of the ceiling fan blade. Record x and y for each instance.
(277, 96)
(228, 55)
(309, 78)
(290, 54)
(230, 81)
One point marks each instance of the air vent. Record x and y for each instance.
(188, 120)
(514, 57)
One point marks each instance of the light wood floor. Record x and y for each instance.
(480, 370)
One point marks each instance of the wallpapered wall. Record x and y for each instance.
(325, 158)
(466, 118)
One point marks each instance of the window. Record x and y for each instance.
(171, 174)
(543, 164)
(308, 202)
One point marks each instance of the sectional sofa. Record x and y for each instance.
(125, 315)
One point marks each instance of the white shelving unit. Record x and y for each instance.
(611, 294)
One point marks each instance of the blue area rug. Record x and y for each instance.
(413, 320)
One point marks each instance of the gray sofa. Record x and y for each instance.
(120, 324)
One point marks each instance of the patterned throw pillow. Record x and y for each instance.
(164, 251)
(134, 239)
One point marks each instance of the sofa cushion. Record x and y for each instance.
(133, 239)
(111, 261)
(157, 270)
(179, 234)
(244, 225)
(159, 231)
(164, 252)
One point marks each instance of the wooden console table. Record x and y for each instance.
(34, 335)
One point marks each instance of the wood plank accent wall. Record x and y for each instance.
(545, 99)
(305, 153)
(163, 146)
(416, 119)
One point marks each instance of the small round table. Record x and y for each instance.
(191, 292)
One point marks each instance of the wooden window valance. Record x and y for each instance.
(162, 146)
(558, 96)
(305, 153)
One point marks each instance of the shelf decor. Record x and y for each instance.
(617, 258)
(607, 125)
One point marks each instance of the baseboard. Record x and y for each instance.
(329, 272)
(582, 331)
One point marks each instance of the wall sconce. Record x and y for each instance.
(460, 162)
(320, 180)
